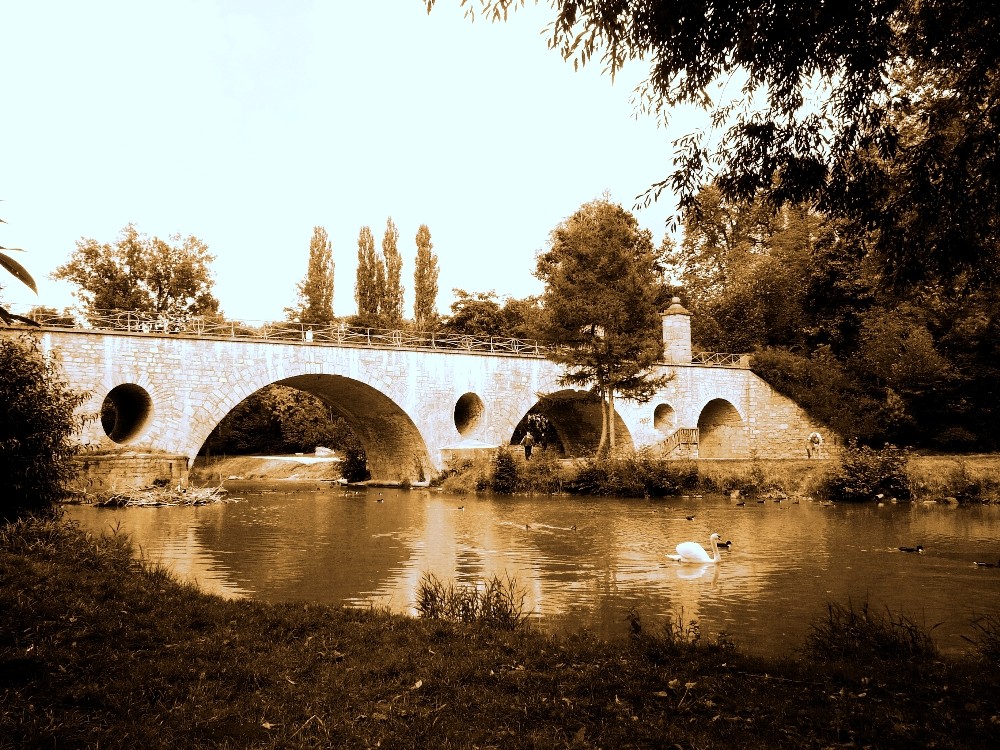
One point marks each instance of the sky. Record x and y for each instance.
(248, 122)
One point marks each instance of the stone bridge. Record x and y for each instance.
(412, 408)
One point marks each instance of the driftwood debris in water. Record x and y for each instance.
(154, 497)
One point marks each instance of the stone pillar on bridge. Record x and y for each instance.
(676, 334)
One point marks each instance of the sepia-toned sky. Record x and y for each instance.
(248, 122)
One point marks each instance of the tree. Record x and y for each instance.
(602, 282)
(315, 291)
(836, 99)
(279, 419)
(142, 274)
(370, 279)
(475, 314)
(743, 267)
(37, 428)
(425, 281)
(391, 307)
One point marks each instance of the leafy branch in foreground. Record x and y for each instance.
(21, 274)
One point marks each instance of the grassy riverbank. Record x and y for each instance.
(97, 649)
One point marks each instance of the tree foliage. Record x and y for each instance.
(912, 367)
(37, 428)
(141, 273)
(475, 314)
(425, 281)
(391, 306)
(368, 289)
(481, 314)
(602, 286)
(315, 291)
(885, 113)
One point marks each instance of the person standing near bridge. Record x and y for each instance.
(527, 441)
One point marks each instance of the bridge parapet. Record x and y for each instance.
(338, 334)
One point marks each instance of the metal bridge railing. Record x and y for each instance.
(720, 359)
(336, 333)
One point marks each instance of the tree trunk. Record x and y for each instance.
(602, 446)
(611, 420)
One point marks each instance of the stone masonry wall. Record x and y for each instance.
(402, 402)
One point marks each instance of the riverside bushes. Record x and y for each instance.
(37, 426)
(865, 473)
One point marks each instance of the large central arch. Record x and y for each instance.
(721, 433)
(395, 449)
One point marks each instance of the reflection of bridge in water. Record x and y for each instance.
(413, 399)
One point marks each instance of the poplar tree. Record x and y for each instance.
(425, 281)
(315, 291)
(367, 288)
(391, 307)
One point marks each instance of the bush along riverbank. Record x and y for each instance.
(861, 474)
(98, 649)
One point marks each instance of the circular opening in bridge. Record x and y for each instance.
(125, 412)
(468, 413)
(664, 417)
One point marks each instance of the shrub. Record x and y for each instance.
(37, 427)
(955, 439)
(866, 472)
(544, 474)
(638, 475)
(354, 467)
(495, 602)
(504, 474)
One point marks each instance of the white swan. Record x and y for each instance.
(692, 552)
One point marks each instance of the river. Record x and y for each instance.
(584, 562)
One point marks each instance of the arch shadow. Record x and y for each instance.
(574, 418)
(721, 432)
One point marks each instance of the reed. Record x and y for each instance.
(494, 602)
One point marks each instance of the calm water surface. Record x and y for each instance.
(787, 560)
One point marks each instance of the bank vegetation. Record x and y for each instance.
(859, 474)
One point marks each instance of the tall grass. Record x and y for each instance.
(987, 638)
(641, 474)
(861, 635)
(494, 602)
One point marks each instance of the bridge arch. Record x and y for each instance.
(395, 449)
(664, 418)
(721, 431)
